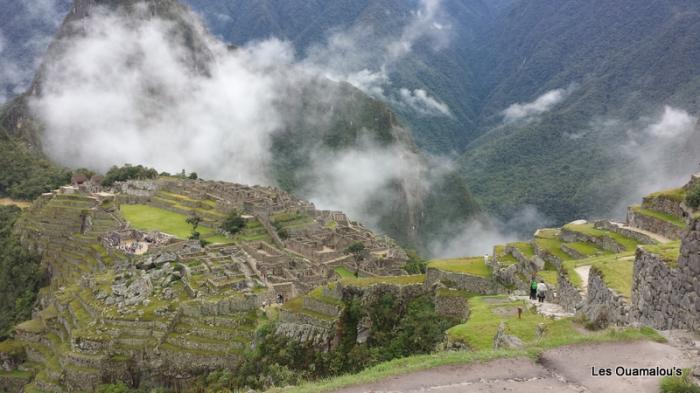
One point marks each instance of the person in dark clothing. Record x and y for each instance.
(533, 289)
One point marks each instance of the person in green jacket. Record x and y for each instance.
(533, 289)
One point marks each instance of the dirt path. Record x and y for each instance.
(566, 369)
(583, 272)
(10, 202)
(652, 235)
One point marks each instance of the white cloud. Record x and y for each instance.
(365, 59)
(421, 102)
(528, 111)
(479, 236)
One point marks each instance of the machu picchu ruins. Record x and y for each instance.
(128, 300)
(121, 294)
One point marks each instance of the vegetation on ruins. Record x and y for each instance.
(692, 199)
(128, 172)
(194, 220)
(233, 223)
(21, 274)
(679, 384)
(396, 332)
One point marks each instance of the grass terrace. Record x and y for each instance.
(344, 272)
(473, 266)
(396, 280)
(669, 252)
(588, 229)
(548, 240)
(499, 252)
(637, 209)
(587, 249)
(149, 218)
(674, 194)
(617, 271)
(525, 248)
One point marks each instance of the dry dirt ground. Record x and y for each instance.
(566, 369)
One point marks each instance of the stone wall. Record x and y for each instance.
(604, 242)
(663, 204)
(451, 303)
(603, 303)
(668, 297)
(638, 236)
(465, 282)
(654, 225)
(568, 295)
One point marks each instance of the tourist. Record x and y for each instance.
(541, 291)
(533, 288)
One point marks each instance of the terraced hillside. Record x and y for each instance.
(133, 298)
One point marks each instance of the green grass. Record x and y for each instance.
(296, 305)
(401, 366)
(473, 266)
(553, 246)
(525, 248)
(549, 276)
(478, 332)
(317, 293)
(669, 252)
(587, 249)
(628, 243)
(396, 280)
(344, 272)
(149, 218)
(617, 271)
(502, 257)
(559, 333)
(674, 194)
(659, 215)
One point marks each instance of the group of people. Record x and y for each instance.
(538, 290)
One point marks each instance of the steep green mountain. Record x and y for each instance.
(444, 73)
(622, 61)
(322, 120)
(627, 61)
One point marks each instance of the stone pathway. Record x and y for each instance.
(547, 309)
(652, 235)
(583, 272)
(565, 369)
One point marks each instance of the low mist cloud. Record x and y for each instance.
(478, 236)
(365, 58)
(659, 152)
(524, 112)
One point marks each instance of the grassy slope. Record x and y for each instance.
(149, 218)
(617, 270)
(473, 266)
(561, 332)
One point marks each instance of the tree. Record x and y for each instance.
(194, 220)
(128, 172)
(233, 223)
(692, 199)
(193, 176)
(359, 252)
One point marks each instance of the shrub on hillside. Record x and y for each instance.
(233, 223)
(682, 384)
(692, 199)
(128, 172)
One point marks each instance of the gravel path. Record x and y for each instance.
(566, 369)
(583, 272)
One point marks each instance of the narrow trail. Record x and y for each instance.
(547, 309)
(565, 369)
(583, 272)
(652, 235)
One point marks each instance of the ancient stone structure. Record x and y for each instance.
(604, 305)
(127, 305)
(666, 294)
(461, 281)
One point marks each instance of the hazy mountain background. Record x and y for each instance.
(556, 108)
